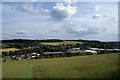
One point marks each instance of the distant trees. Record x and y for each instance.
(26, 43)
(29, 46)
(30, 41)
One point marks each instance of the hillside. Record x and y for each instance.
(96, 66)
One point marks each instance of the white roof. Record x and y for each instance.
(33, 53)
(88, 50)
(33, 56)
(94, 48)
(75, 48)
(38, 54)
(101, 49)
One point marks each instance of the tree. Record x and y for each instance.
(11, 53)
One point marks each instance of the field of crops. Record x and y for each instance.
(8, 49)
(58, 43)
(92, 66)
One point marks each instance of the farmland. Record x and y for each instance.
(92, 66)
(58, 43)
(9, 49)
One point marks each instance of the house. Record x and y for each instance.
(110, 49)
(34, 53)
(13, 57)
(38, 54)
(83, 52)
(20, 57)
(75, 48)
(92, 51)
(33, 57)
(28, 57)
(117, 49)
(101, 49)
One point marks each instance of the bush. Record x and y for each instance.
(77, 53)
(51, 56)
(63, 55)
(4, 60)
(47, 56)
(57, 55)
(69, 54)
(43, 56)
(38, 57)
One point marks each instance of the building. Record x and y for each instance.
(53, 53)
(94, 49)
(75, 48)
(83, 52)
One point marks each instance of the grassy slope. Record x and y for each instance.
(58, 43)
(95, 66)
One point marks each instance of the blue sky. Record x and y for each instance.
(46, 20)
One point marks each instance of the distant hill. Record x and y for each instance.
(19, 43)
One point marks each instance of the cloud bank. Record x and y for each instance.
(79, 31)
(100, 16)
(60, 11)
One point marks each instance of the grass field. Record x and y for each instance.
(58, 43)
(94, 66)
(9, 49)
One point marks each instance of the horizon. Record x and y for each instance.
(59, 39)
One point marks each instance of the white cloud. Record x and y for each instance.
(70, 1)
(58, 12)
(97, 16)
(21, 32)
(100, 16)
(97, 8)
(26, 7)
(33, 0)
(31, 8)
(61, 12)
(81, 31)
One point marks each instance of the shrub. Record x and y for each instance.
(57, 55)
(47, 56)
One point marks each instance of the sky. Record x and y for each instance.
(60, 20)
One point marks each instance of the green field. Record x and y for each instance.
(92, 66)
(58, 43)
(5, 45)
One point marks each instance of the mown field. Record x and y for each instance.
(58, 43)
(8, 49)
(92, 66)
